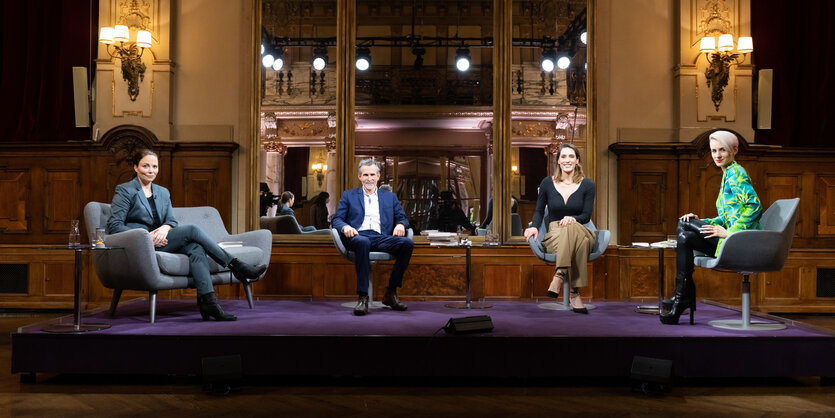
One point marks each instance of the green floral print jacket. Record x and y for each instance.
(738, 206)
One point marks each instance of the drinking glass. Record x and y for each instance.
(75, 235)
(99, 242)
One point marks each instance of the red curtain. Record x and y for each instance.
(40, 42)
(796, 40)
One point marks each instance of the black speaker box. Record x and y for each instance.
(222, 374)
(651, 375)
(469, 325)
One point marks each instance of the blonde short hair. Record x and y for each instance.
(726, 138)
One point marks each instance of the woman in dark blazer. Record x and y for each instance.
(141, 204)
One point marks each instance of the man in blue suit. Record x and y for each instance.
(371, 219)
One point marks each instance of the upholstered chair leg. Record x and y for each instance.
(117, 293)
(248, 292)
(152, 296)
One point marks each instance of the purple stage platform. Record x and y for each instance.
(322, 338)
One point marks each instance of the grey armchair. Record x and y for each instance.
(287, 224)
(374, 256)
(135, 265)
(601, 241)
(755, 251)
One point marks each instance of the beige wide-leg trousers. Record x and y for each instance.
(572, 245)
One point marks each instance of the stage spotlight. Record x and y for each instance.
(549, 57)
(563, 62)
(584, 38)
(320, 58)
(279, 60)
(267, 60)
(363, 58)
(462, 59)
(418, 52)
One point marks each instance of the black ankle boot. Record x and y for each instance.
(246, 272)
(667, 304)
(209, 307)
(684, 298)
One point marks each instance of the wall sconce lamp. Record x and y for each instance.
(514, 169)
(720, 60)
(319, 170)
(130, 53)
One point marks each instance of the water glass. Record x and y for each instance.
(99, 241)
(75, 235)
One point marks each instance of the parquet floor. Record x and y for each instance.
(129, 396)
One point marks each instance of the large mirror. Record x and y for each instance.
(428, 122)
(548, 95)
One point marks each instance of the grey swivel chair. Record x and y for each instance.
(287, 224)
(135, 265)
(755, 251)
(601, 241)
(374, 256)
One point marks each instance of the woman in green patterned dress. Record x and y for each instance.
(738, 209)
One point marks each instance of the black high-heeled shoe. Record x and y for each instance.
(667, 304)
(558, 275)
(685, 298)
(573, 296)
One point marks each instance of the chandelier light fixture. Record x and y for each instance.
(129, 53)
(720, 57)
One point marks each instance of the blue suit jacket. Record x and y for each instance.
(351, 211)
(130, 208)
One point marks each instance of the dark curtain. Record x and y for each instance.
(41, 41)
(295, 168)
(796, 40)
(533, 164)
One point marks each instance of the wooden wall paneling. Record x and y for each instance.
(199, 188)
(717, 285)
(55, 281)
(503, 281)
(780, 286)
(202, 180)
(340, 280)
(649, 199)
(289, 279)
(15, 185)
(437, 273)
(62, 200)
(639, 275)
(541, 276)
(608, 274)
(780, 186)
(826, 204)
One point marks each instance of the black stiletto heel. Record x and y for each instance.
(685, 298)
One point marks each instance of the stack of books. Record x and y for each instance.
(442, 238)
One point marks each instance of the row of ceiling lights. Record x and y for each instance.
(274, 57)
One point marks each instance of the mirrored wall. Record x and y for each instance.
(425, 117)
